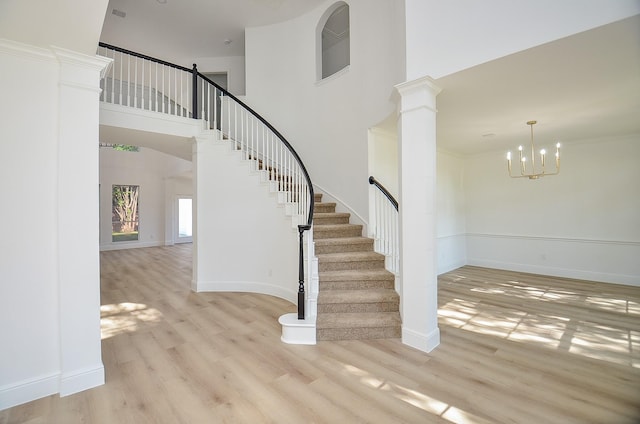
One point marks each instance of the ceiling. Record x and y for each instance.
(585, 86)
(181, 31)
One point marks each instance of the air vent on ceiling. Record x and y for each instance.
(119, 13)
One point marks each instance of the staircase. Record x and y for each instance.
(356, 298)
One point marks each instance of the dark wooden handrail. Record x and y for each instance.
(384, 191)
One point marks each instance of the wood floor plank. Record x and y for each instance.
(515, 348)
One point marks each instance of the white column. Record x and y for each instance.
(418, 261)
(204, 203)
(78, 217)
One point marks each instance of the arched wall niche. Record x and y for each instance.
(333, 52)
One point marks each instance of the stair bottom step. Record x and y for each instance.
(347, 326)
(360, 333)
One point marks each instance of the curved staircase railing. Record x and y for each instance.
(384, 225)
(143, 82)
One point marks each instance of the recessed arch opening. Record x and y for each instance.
(333, 43)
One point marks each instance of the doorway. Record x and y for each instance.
(185, 220)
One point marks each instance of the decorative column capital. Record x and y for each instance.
(416, 94)
(79, 70)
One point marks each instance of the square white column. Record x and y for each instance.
(78, 220)
(418, 258)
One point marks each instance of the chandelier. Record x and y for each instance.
(534, 172)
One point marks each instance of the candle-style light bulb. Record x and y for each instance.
(542, 153)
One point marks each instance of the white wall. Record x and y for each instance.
(49, 269)
(582, 223)
(243, 241)
(450, 211)
(29, 317)
(450, 204)
(233, 66)
(151, 170)
(447, 36)
(383, 158)
(327, 122)
(72, 24)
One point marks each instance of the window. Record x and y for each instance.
(124, 212)
(334, 44)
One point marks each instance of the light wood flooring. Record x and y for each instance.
(515, 348)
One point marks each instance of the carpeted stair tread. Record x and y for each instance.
(358, 296)
(324, 218)
(343, 244)
(358, 320)
(337, 230)
(350, 257)
(344, 240)
(356, 274)
(350, 260)
(356, 279)
(359, 333)
(324, 207)
(321, 215)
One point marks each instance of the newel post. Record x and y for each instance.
(301, 230)
(194, 91)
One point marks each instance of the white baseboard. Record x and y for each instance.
(420, 341)
(247, 287)
(450, 266)
(80, 380)
(131, 245)
(578, 274)
(607, 261)
(28, 390)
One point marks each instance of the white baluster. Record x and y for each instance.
(135, 82)
(113, 76)
(228, 117)
(120, 94)
(182, 108)
(298, 191)
(214, 118)
(204, 98)
(142, 86)
(280, 166)
(246, 134)
(163, 89)
(128, 80)
(155, 88)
